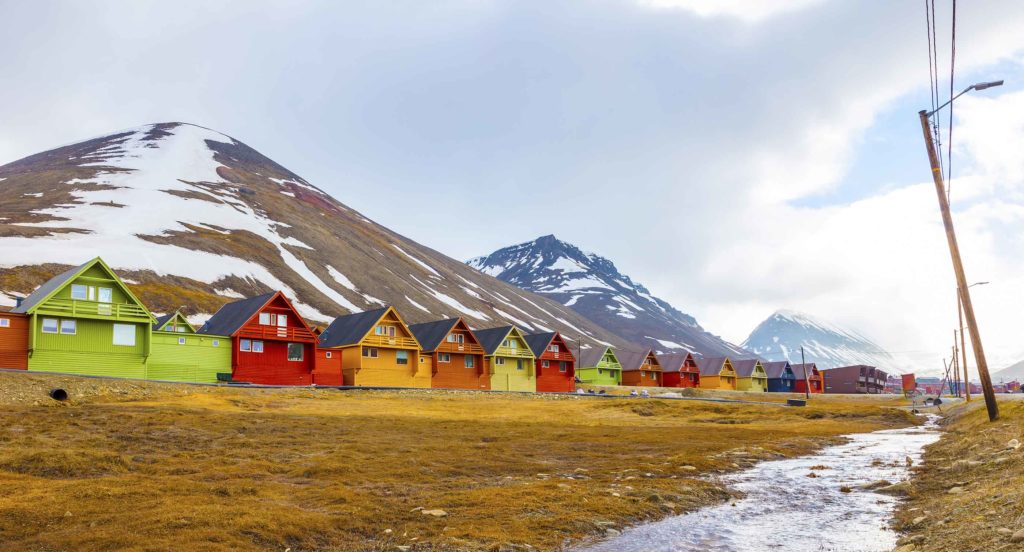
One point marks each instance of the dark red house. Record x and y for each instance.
(679, 370)
(556, 365)
(813, 378)
(271, 343)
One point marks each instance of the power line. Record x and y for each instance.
(949, 142)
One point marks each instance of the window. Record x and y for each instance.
(600, 372)
(265, 319)
(401, 357)
(544, 364)
(50, 325)
(69, 327)
(327, 354)
(498, 361)
(282, 320)
(245, 345)
(5, 322)
(79, 292)
(444, 357)
(106, 295)
(519, 364)
(257, 346)
(553, 348)
(512, 344)
(456, 338)
(181, 341)
(563, 366)
(124, 334)
(470, 363)
(216, 343)
(369, 352)
(385, 330)
(181, 329)
(296, 351)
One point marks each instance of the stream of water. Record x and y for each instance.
(784, 509)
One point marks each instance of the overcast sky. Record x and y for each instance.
(735, 156)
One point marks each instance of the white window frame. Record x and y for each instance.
(499, 361)
(245, 345)
(216, 343)
(124, 342)
(75, 288)
(553, 348)
(266, 319)
(545, 364)
(66, 322)
(181, 341)
(563, 366)
(56, 325)
(399, 359)
(469, 361)
(282, 320)
(302, 352)
(5, 322)
(327, 354)
(110, 295)
(444, 358)
(257, 346)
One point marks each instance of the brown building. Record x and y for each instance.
(856, 379)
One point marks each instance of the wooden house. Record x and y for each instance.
(555, 363)
(781, 378)
(377, 349)
(808, 377)
(716, 373)
(599, 366)
(679, 370)
(640, 368)
(13, 341)
(270, 343)
(87, 321)
(508, 359)
(750, 375)
(454, 357)
(180, 353)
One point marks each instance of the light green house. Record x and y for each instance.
(181, 354)
(599, 366)
(87, 321)
(509, 359)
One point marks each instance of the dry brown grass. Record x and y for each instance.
(974, 456)
(145, 466)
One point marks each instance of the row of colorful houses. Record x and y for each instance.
(87, 321)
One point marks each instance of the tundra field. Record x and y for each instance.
(127, 465)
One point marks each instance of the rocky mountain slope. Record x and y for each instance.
(194, 218)
(782, 334)
(592, 286)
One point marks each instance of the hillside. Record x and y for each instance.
(591, 285)
(780, 336)
(194, 218)
(1013, 372)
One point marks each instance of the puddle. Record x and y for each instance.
(785, 510)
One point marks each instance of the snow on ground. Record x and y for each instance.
(515, 320)
(471, 293)
(451, 301)
(228, 292)
(671, 344)
(417, 305)
(37, 194)
(427, 267)
(566, 265)
(472, 284)
(625, 301)
(575, 284)
(572, 300)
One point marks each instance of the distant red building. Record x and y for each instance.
(813, 379)
(679, 370)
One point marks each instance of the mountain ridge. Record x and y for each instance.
(780, 336)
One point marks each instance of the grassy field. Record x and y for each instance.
(968, 495)
(147, 466)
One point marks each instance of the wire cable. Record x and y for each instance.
(949, 140)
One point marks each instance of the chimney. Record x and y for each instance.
(17, 301)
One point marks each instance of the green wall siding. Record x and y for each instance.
(90, 350)
(607, 375)
(198, 360)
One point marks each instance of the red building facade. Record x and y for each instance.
(556, 365)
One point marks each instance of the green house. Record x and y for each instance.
(87, 321)
(508, 358)
(599, 366)
(181, 354)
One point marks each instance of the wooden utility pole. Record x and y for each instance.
(958, 269)
(807, 382)
(956, 366)
(963, 348)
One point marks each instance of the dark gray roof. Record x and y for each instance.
(592, 356)
(539, 342)
(631, 361)
(710, 366)
(776, 369)
(491, 338)
(232, 316)
(432, 334)
(161, 320)
(673, 362)
(47, 288)
(798, 369)
(745, 367)
(351, 328)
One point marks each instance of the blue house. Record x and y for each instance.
(781, 378)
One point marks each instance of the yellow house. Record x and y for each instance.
(508, 358)
(716, 373)
(377, 349)
(750, 375)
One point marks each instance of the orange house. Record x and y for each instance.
(453, 354)
(556, 365)
(640, 368)
(377, 349)
(14, 341)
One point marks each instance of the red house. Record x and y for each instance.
(556, 365)
(679, 370)
(271, 343)
(813, 377)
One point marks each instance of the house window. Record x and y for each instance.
(245, 345)
(563, 366)
(519, 364)
(5, 322)
(370, 352)
(553, 348)
(216, 343)
(600, 372)
(544, 364)
(124, 335)
(296, 351)
(181, 341)
(79, 292)
(50, 325)
(282, 320)
(180, 329)
(642, 375)
(69, 327)
(265, 319)
(257, 346)
(401, 357)
(444, 357)
(499, 361)
(385, 330)
(106, 295)
(470, 363)
(512, 344)
(327, 354)
(456, 338)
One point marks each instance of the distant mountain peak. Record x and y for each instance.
(780, 336)
(593, 286)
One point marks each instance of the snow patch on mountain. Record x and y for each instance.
(829, 345)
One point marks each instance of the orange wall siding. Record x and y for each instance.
(641, 378)
(14, 342)
(455, 375)
(327, 371)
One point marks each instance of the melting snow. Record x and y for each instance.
(417, 261)
(508, 316)
(567, 265)
(417, 305)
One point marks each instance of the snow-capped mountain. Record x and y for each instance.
(592, 286)
(1014, 372)
(194, 218)
(782, 334)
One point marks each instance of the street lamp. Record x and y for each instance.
(954, 252)
(963, 344)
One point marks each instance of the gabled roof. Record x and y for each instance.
(231, 317)
(164, 320)
(632, 361)
(351, 328)
(776, 369)
(798, 369)
(432, 334)
(592, 357)
(711, 366)
(491, 338)
(674, 362)
(745, 367)
(53, 285)
(539, 342)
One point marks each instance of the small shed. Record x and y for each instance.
(599, 366)
(679, 370)
(781, 378)
(555, 363)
